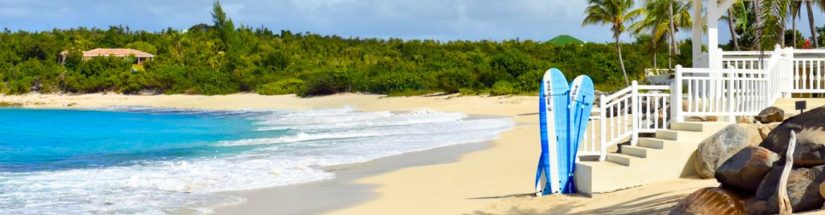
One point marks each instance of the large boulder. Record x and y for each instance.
(745, 169)
(771, 114)
(803, 190)
(810, 145)
(718, 148)
(765, 129)
(710, 200)
(745, 119)
(822, 189)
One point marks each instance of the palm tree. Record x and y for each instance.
(811, 24)
(733, 37)
(771, 18)
(757, 10)
(794, 9)
(737, 18)
(672, 31)
(615, 13)
(658, 19)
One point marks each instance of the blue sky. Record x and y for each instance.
(407, 19)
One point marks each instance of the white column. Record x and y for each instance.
(712, 21)
(697, 33)
(675, 97)
(634, 112)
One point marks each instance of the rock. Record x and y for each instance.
(810, 145)
(745, 119)
(695, 119)
(745, 169)
(702, 119)
(710, 200)
(765, 129)
(822, 189)
(803, 190)
(718, 148)
(756, 206)
(771, 114)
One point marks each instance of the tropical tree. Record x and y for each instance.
(771, 18)
(811, 24)
(795, 6)
(672, 31)
(615, 13)
(737, 19)
(660, 20)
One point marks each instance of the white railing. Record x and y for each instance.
(742, 60)
(807, 70)
(742, 85)
(623, 115)
(732, 91)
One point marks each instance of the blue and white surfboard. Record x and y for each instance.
(582, 94)
(553, 120)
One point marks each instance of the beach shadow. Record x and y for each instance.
(652, 204)
(513, 211)
(659, 203)
(527, 114)
(504, 196)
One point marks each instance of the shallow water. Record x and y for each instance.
(156, 161)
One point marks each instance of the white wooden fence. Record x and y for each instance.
(622, 116)
(808, 71)
(742, 85)
(805, 73)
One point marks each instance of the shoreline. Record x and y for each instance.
(475, 106)
(495, 179)
(288, 199)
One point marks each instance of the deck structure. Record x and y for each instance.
(722, 84)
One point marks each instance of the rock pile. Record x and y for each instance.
(749, 173)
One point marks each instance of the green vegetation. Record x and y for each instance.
(563, 40)
(219, 58)
(615, 13)
(10, 104)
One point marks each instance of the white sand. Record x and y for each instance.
(496, 180)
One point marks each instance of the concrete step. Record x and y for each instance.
(652, 143)
(667, 134)
(665, 157)
(620, 159)
(687, 126)
(634, 151)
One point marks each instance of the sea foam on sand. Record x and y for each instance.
(313, 139)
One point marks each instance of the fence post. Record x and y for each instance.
(602, 127)
(730, 91)
(676, 96)
(786, 81)
(634, 112)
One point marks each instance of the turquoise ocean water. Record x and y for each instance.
(136, 160)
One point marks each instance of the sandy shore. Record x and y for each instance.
(493, 180)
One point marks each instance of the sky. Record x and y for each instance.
(407, 19)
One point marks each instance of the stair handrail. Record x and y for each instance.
(621, 115)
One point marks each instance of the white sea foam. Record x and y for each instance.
(315, 139)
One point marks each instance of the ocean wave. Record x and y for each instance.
(300, 137)
(317, 139)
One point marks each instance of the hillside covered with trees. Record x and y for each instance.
(220, 58)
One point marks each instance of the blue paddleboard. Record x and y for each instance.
(582, 94)
(553, 105)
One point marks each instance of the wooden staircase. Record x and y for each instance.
(668, 155)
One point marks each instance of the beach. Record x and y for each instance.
(483, 178)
